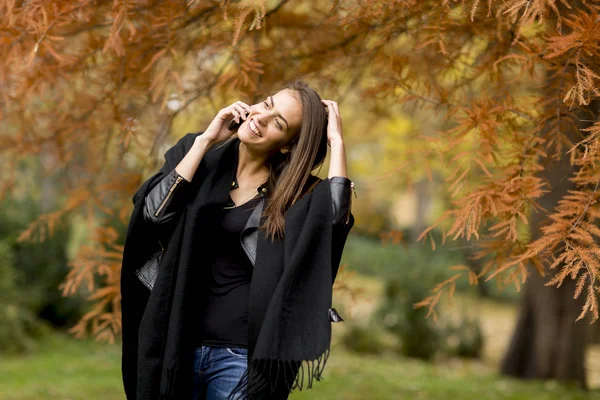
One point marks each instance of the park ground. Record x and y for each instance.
(64, 368)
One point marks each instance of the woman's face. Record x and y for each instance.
(272, 123)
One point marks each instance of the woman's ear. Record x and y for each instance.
(285, 150)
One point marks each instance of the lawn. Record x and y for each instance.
(64, 368)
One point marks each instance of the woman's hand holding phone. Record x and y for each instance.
(217, 131)
(224, 124)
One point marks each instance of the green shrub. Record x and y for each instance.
(370, 257)
(463, 338)
(42, 266)
(418, 336)
(363, 340)
(19, 327)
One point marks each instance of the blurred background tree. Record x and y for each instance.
(503, 139)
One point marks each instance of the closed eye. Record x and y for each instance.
(277, 122)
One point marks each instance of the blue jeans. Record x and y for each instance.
(217, 370)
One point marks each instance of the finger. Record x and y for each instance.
(241, 111)
(331, 110)
(335, 108)
(244, 106)
(236, 114)
(334, 112)
(332, 105)
(337, 112)
(332, 115)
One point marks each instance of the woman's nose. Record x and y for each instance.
(261, 118)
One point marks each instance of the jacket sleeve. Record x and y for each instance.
(172, 157)
(341, 199)
(166, 198)
(343, 220)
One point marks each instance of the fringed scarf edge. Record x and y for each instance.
(264, 376)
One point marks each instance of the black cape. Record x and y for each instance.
(289, 330)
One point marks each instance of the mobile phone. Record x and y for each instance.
(234, 125)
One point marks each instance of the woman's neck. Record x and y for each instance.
(250, 164)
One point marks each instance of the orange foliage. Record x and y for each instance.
(88, 84)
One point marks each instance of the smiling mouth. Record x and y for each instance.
(253, 128)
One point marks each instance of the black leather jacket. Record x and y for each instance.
(165, 200)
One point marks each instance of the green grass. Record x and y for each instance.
(350, 376)
(64, 368)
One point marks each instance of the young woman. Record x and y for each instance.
(248, 244)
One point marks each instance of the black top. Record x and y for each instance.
(225, 308)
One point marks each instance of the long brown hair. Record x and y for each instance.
(290, 172)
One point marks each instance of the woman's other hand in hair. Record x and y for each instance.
(337, 160)
(334, 122)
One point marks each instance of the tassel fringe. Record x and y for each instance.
(264, 379)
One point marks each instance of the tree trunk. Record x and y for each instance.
(547, 342)
(594, 333)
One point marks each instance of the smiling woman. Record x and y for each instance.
(230, 314)
(286, 136)
(286, 97)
